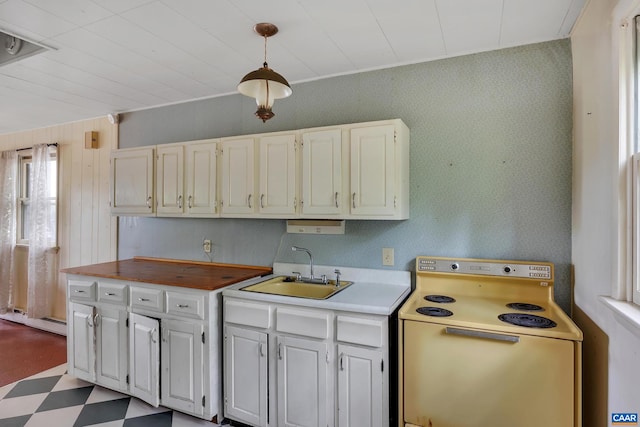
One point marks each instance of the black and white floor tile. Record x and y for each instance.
(54, 399)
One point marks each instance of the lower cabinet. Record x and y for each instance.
(245, 368)
(144, 358)
(303, 382)
(151, 354)
(182, 366)
(296, 366)
(360, 387)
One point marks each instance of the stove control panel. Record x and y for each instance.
(519, 269)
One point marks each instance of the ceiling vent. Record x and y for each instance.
(14, 48)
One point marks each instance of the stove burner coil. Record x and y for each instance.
(440, 299)
(527, 320)
(524, 306)
(434, 311)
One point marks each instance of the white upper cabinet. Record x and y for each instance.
(132, 180)
(186, 179)
(170, 179)
(201, 178)
(278, 175)
(238, 177)
(351, 171)
(379, 171)
(322, 174)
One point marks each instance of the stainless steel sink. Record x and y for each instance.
(288, 286)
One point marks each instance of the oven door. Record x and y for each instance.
(456, 377)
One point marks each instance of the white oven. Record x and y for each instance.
(482, 343)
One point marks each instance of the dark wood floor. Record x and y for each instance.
(25, 351)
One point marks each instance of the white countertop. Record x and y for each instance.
(372, 292)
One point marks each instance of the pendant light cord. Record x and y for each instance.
(265, 51)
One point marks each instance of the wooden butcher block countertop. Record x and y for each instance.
(188, 274)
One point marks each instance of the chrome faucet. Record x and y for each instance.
(311, 278)
(298, 249)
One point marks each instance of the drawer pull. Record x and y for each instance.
(152, 335)
(336, 199)
(182, 305)
(261, 348)
(144, 299)
(110, 294)
(342, 361)
(280, 351)
(353, 200)
(482, 334)
(79, 291)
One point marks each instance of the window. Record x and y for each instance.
(633, 83)
(24, 204)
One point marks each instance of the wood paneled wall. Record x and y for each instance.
(87, 233)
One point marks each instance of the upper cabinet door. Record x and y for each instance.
(201, 183)
(170, 180)
(372, 170)
(322, 192)
(277, 175)
(238, 179)
(132, 178)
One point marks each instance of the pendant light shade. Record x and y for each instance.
(264, 84)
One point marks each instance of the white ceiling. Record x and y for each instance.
(125, 55)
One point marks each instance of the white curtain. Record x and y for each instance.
(8, 198)
(41, 222)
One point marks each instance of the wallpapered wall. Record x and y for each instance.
(491, 146)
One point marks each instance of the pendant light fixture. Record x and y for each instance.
(264, 84)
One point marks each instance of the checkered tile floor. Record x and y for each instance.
(54, 399)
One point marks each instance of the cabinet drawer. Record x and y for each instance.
(247, 313)
(303, 322)
(185, 305)
(115, 293)
(357, 330)
(148, 299)
(80, 290)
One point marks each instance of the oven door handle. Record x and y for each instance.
(482, 334)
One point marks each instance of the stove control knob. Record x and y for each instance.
(455, 266)
(507, 269)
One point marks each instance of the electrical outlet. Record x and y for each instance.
(206, 246)
(387, 256)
